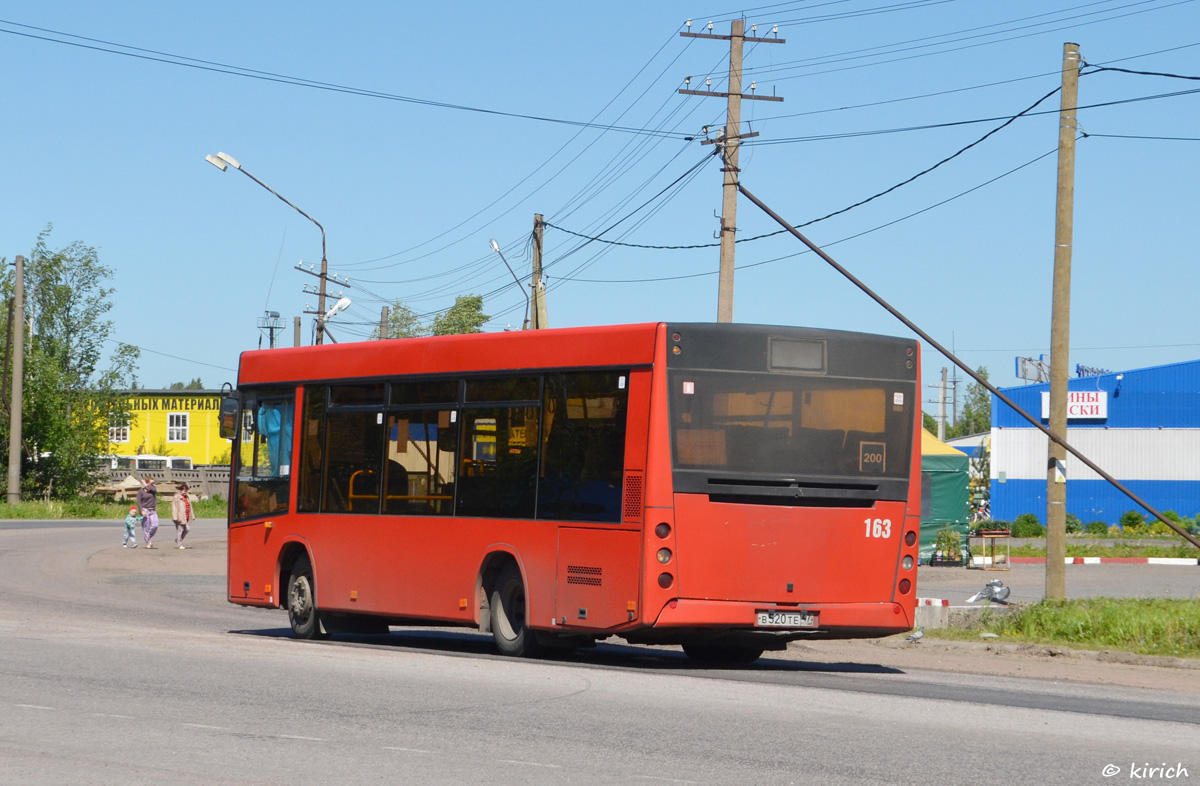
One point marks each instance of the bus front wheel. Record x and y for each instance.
(302, 602)
(510, 627)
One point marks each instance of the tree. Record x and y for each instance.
(195, 384)
(929, 422)
(976, 415)
(465, 316)
(69, 402)
(403, 322)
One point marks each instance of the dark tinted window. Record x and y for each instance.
(420, 471)
(312, 444)
(583, 447)
(356, 395)
(429, 391)
(502, 389)
(354, 458)
(498, 462)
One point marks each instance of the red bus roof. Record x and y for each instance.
(612, 345)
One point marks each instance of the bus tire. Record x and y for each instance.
(723, 654)
(510, 626)
(302, 602)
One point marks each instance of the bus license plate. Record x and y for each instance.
(785, 619)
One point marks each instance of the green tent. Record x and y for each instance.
(945, 482)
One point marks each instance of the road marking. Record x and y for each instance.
(659, 778)
(111, 715)
(530, 763)
(406, 750)
(34, 707)
(204, 726)
(293, 737)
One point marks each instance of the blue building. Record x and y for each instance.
(1140, 426)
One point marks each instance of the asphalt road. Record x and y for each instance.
(128, 667)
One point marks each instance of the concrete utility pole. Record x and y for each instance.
(1060, 329)
(730, 141)
(383, 324)
(539, 289)
(296, 332)
(18, 383)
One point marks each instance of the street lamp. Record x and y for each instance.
(496, 247)
(222, 161)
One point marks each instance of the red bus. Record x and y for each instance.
(723, 487)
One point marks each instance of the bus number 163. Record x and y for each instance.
(879, 528)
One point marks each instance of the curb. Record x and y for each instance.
(1107, 561)
(933, 602)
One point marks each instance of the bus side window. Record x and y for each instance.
(353, 461)
(583, 451)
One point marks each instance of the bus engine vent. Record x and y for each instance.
(633, 498)
(581, 574)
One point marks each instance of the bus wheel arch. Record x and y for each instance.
(506, 613)
(301, 598)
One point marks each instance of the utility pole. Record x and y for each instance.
(1060, 329)
(540, 320)
(730, 141)
(18, 383)
(383, 324)
(296, 332)
(942, 408)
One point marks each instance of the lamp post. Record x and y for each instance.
(222, 161)
(496, 247)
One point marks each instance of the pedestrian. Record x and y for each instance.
(132, 519)
(147, 500)
(182, 514)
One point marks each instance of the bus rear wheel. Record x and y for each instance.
(723, 654)
(302, 602)
(510, 626)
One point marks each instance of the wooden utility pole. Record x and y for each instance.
(1060, 329)
(729, 141)
(540, 319)
(18, 383)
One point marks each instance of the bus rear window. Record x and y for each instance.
(788, 425)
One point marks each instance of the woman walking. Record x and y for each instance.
(147, 502)
(182, 514)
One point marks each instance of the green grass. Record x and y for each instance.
(1118, 549)
(93, 508)
(1155, 626)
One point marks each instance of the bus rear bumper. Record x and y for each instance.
(681, 620)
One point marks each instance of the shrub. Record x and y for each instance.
(1027, 526)
(948, 545)
(1098, 528)
(1132, 522)
(1073, 523)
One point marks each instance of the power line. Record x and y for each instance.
(267, 76)
(835, 242)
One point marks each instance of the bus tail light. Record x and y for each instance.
(907, 562)
(662, 530)
(910, 538)
(664, 556)
(905, 586)
(665, 580)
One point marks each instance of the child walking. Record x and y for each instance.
(132, 520)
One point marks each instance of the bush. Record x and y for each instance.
(1132, 522)
(948, 545)
(1028, 526)
(1074, 525)
(1098, 528)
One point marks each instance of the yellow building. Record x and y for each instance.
(172, 423)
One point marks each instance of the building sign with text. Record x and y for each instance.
(1081, 405)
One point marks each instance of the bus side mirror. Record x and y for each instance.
(230, 407)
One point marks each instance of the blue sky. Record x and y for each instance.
(110, 149)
